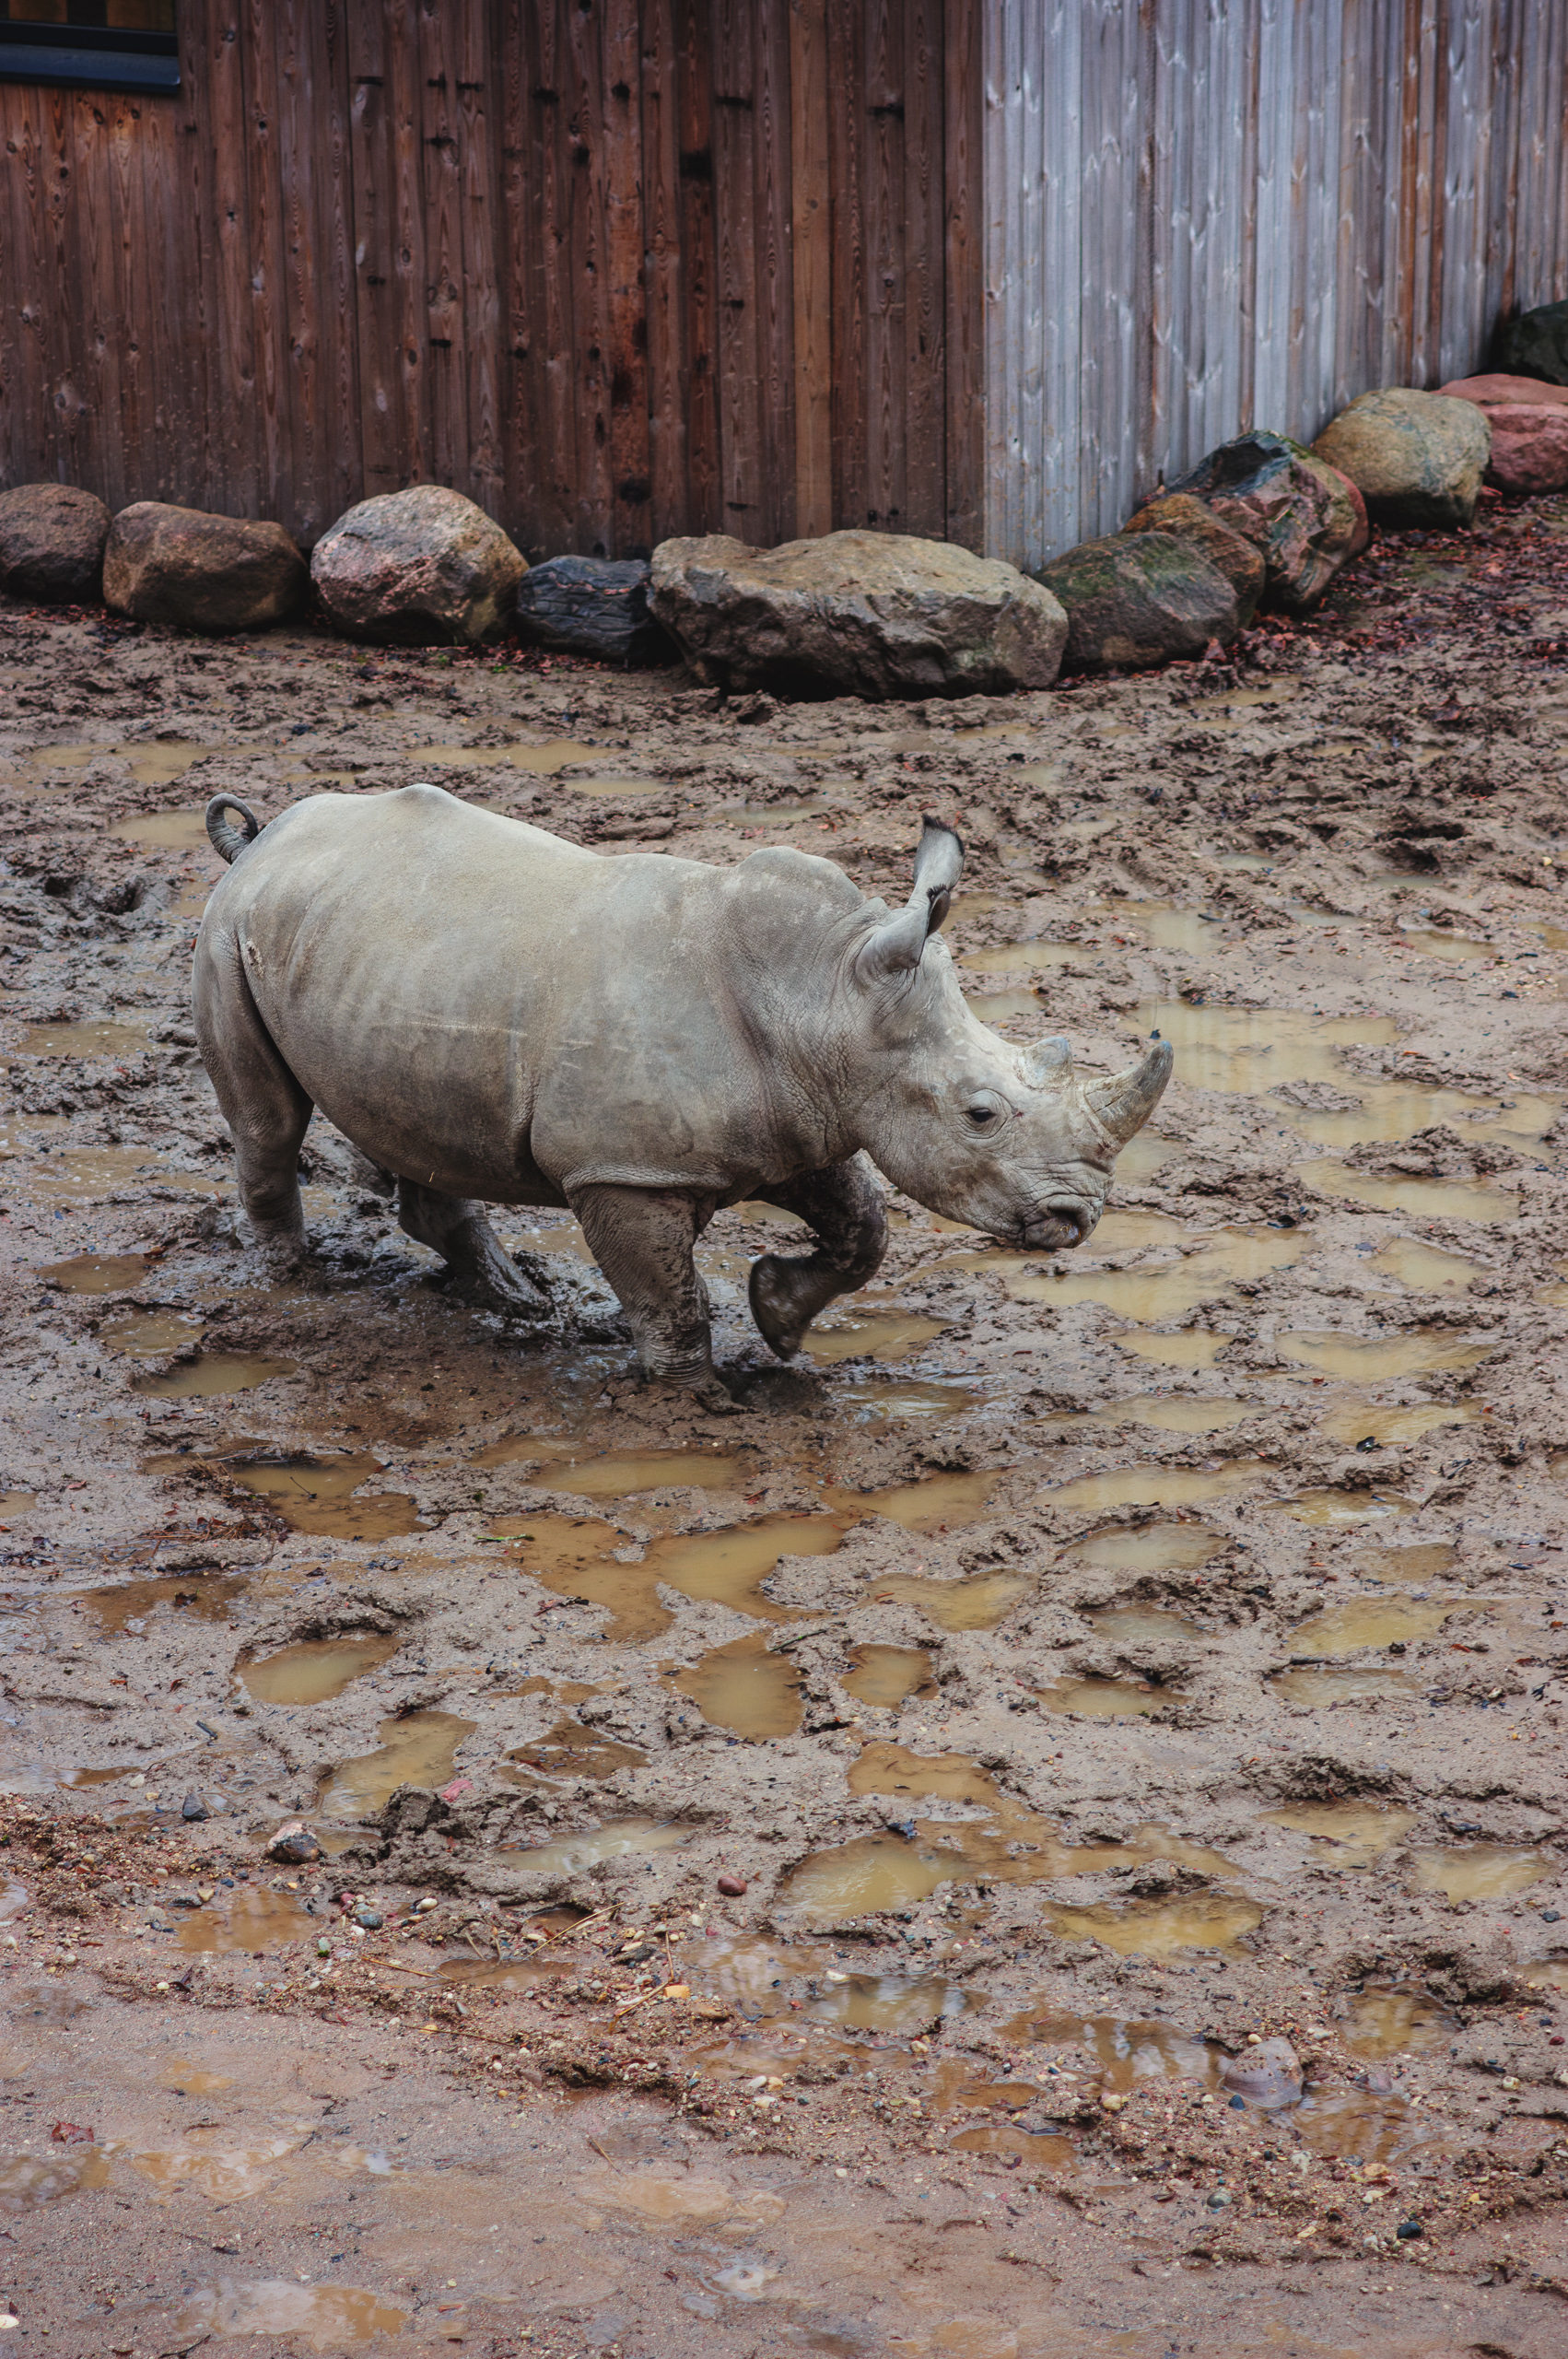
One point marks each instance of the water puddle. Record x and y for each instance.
(316, 1496)
(1425, 1269)
(1191, 932)
(1393, 2022)
(1248, 1049)
(888, 1400)
(892, 1336)
(1380, 1360)
(574, 1557)
(1546, 1974)
(1360, 1624)
(744, 1687)
(1214, 711)
(124, 1605)
(1423, 1561)
(873, 1873)
(540, 760)
(1356, 2128)
(886, 1676)
(212, 1373)
(1154, 1929)
(30, 2181)
(1439, 945)
(316, 1670)
(151, 763)
(84, 1041)
(326, 2317)
(570, 1750)
(1358, 1420)
(1422, 1199)
(888, 2004)
(1360, 1830)
(1177, 1412)
(1019, 958)
(1142, 1625)
(1249, 864)
(1480, 1870)
(1319, 1691)
(249, 1921)
(183, 830)
(625, 1838)
(1113, 1699)
(618, 1474)
(150, 1334)
(936, 1503)
(1389, 1110)
(420, 1750)
(1142, 1156)
(1148, 1547)
(188, 2079)
(977, 1604)
(1192, 1350)
(99, 1273)
(1158, 1486)
(1335, 1508)
(103, 1173)
(1226, 1257)
(1125, 2054)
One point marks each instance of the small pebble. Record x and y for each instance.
(1550, 1916)
(1238, 2104)
(1219, 2200)
(1409, 2228)
(192, 1807)
(731, 1886)
(369, 1921)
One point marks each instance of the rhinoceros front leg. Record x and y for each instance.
(457, 1228)
(842, 1207)
(642, 1240)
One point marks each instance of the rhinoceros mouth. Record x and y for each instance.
(1057, 1228)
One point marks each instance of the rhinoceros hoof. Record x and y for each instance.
(499, 1290)
(781, 1303)
(710, 1394)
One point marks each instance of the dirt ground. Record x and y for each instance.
(835, 1878)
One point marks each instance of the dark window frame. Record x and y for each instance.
(83, 58)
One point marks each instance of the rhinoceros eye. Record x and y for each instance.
(984, 1113)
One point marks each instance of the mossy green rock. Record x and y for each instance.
(1417, 459)
(1138, 599)
(1190, 520)
(1300, 515)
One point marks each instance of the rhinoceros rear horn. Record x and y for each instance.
(897, 946)
(1124, 1101)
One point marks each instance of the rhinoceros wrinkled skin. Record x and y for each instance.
(497, 1016)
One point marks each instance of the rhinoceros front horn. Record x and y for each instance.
(1124, 1101)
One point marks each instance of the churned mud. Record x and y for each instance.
(1046, 1835)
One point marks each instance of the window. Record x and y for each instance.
(90, 44)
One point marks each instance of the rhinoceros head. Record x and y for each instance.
(1010, 1140)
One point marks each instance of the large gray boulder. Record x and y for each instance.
(856, 614)
(1137, 599)
(1417, 459)
(593, 606)
(52, 540)
(418, 568)
(201, 572)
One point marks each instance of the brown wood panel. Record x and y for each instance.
(846, 126)
(549, 166)
(886, 228)
(925, 321)
(275, 399)
(811, 213)
(371, 231)
(745, 511)
(588, 284)
(774, 307)
(631, 481)
(446, 311)
(478, 112)
(663, 313)
(700, 269)
(517, 422)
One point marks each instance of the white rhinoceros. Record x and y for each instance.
(498, 1017)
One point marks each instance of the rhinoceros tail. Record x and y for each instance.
(226, 840)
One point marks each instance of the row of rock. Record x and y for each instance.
(1262, 521)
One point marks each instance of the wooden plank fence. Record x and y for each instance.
(980, 269)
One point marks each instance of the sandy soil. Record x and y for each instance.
(867, 1841)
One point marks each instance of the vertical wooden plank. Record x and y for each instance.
(547, 99)
(473, 51)
(274, 485)
(410, 287)
(670, 488)
(588, 285)
(964, 286)
(630, 457)
(882, 103)
(440, 190)
(371, 232)
(773, 310)
(851, 498)
(925, 319)
(736, 232)
(812, 267)
(302, 118)
(700, 264)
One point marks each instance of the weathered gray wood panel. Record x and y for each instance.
(1207, 215)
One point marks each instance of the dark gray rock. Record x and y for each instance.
(52, 540)
(1533, 343)
(595, 606)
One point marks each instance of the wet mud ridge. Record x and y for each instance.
(1047, 1833)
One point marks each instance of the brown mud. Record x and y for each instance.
(862, 1840)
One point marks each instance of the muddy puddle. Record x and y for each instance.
(1156, 1929)
(1148, 1548)
(212, 1375)
(627, 1838)
(1152, 1295)
(746, 1688)
(1113, 1699)
(418, 1749)
(1367, 1625)
(1381, 1359)
(247, 1922)
(314, 1670)
(575, 1556)
(325, 1496)
(1360, 1830)
(1159, 1486)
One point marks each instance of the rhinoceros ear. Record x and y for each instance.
(1043, 1059)
(897, 946)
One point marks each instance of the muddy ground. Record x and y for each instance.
(818, 1879)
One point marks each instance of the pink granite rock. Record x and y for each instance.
(1530, 429)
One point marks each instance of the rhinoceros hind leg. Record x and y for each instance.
(458, 1230)
(642, 1240)
(842, 1207)
(267, 1111)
